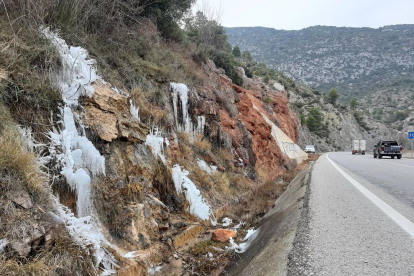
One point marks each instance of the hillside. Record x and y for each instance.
(356, 61)
(129, 145)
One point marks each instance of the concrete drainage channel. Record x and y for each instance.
(271, 251)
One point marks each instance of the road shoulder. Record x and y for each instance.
(268, 254)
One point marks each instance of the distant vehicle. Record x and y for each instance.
(310, 149)
(359, 146)
(388, 148)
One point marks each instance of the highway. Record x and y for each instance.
(358, 218)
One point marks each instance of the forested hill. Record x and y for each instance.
(357, 61)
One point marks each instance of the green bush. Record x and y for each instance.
(236, 51)
(333, 96)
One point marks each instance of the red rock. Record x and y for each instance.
(223, 235)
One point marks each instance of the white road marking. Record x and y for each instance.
(402, 221)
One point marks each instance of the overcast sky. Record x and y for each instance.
(299, 14)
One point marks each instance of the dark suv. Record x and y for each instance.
(387, 148)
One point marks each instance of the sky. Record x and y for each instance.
(299, 14)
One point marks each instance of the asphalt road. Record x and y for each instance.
(358, 219)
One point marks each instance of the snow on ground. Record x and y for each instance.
(130, 255)
(154, 270)
(199, 207)
(3, 243)
(242, 247)
(206, 167)
(226, 222)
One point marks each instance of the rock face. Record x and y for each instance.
(108, 114)
(41, 235)
(223, 235)
(21, 198)
(137, 200)
(233, 122)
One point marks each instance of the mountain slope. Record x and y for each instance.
(357, 61)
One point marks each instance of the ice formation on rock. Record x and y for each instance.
(180, 100)
(87, 234)
(77, 157)
(157, 142)
(206, 167)
(78, 72)
(199, 207)
(134, 110)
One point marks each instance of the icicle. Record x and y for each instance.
(180, 92)
(156, 142)
(134, 110)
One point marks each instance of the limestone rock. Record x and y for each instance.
(241, 72)
(223, 235)
(132, 130)
(108, 114)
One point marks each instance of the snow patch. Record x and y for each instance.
(3, 243)
(226, 222)
(198, 205)
(206, 167)
(130, 255)
(154, 270)
(242, 247)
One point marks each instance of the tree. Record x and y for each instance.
(354, 103)
(333, 96)
(314, 120)
(236, 51)
(167, 13)
(246, 55)
(207, 34)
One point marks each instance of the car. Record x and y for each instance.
(310, 149)
(388, 148)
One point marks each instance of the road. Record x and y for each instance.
(358, 219)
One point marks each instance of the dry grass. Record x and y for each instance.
(18, 163)
(150, 111)
(255, 202)
(200, 263)
(63, 258)
(20, 170)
